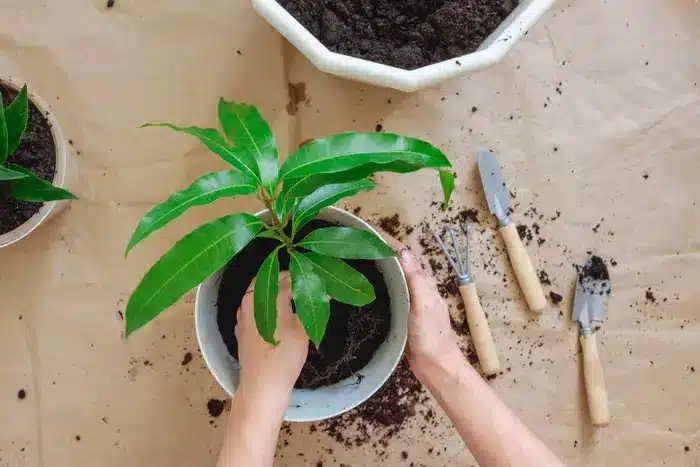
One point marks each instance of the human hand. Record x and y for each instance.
(267, 368)
(431, 340)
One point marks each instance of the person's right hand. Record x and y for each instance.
(431, 339)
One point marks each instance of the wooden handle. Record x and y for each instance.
(595, 382)
(524, 271)
(479, 329)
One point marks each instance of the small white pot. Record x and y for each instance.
(491, 51)
(61, 179)
(308, 405)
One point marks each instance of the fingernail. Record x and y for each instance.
(406, 254)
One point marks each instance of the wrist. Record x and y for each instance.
(264, 394)
(451, 367)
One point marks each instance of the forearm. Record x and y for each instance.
(493, 434)
(253, 429)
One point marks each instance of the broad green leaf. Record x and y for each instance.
(3, 133)
(16, 120)
(216, 143)
(310, 298)
(283, 205)
(347, 151)
(310, 206)
(447, 180)
(346, 242)
(303, 186)
(267, 287)
(194, 258)
(247, 131)
(33, 188)
(343, 283)
(269, 234)
(204, 190)
(8, 174)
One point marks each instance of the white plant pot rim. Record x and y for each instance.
(494, 48)
(49, 208)
(329, 401)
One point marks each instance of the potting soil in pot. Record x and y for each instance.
(406, 34)
(36, 152)
(353, 333)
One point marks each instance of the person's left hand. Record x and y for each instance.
(267, 368)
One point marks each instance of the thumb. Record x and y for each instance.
(411, 267)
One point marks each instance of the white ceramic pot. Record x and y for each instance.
(491, 51)
(308, 405)
(61, 179)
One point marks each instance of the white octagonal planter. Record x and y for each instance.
(493, 49)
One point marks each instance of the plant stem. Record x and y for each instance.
(277, 226)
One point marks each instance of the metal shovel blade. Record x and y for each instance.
(592, 290)
(495, 189)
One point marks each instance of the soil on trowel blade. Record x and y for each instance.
(36, 152)
(406, 34)
(353, 333)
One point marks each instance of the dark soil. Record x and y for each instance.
(353, 333)
(594, 276)
(215, 407)
(36, 152)
(556, 298)
(406, 34)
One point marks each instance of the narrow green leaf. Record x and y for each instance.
(297, 187)
(310, 206)
(346, 242)
(248, 131)
(3, 133)
(194, 258)
(33, 188)
(204, 190)
(343, 283)
(16, 120)
(284, 205)
(310, 298)
(267, 287)
(8, 174)
(346, 151)
(216, 143)
(447, 180)
(269, 234)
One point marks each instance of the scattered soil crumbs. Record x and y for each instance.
(649, 296)
(383, 415)
(406, 34)
(36, 152)
(556, 298)
(187, 358)
(593, 276)
(110, 3)
(543, 277)
(215, 407)
(21, 394)
(525, 233)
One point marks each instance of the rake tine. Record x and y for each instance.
(444, 250)
(460, 271)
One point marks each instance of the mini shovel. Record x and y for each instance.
(592, 290)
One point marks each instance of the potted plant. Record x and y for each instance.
(33, 160)
(402, 45)
(355, 320)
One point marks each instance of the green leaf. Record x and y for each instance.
(8, 174)
(309, 207)
(303, 186)
(269, 234)
(216, 143)
(194, 258)
(310, 298)
(447, 180)
(16, 120)
(283, 205)
(346, 242)
(248, 131)
(267, 287)
(204, 190)
(35, 189)
(3, 133)
(347, 151)
(343, 283)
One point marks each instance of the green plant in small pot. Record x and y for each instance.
(322, 247)
(29, 155)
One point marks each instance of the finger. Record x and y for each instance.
(411, 267)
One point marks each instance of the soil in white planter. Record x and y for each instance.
(353, 334)
(406, 34)
(36, 152)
